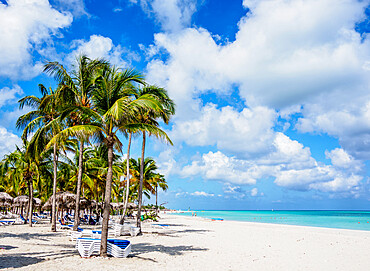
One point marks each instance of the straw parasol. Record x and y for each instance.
(5, 197)
(84, 203)
(131, 205)
(37, 201)
(21, 200)
(47, 205)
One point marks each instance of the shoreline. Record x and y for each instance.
(195, 243)
(329, 222)
(274, 224)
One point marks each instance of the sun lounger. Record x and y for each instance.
(23, 219)
(36, 215)
(83, 233)
(6, 222)
(88, 246)
(117, 248)
(74, 235)
(62, 226)
(125, 229)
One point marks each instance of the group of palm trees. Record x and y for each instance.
(71, 138)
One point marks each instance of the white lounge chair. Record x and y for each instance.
(88, 246)
(117, 248)
(125, 229)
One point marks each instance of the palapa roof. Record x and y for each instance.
(5, 197)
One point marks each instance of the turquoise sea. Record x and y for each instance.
(354, 220)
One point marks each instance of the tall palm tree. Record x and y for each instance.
(112, 111)
(148, 174)
(158, 180)
(149, 117)
(76, 91)
(42, 118)
(27, 170)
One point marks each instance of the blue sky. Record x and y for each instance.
(273, 100)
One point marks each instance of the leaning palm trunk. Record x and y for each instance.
(106, 210)
(127, 179)
(30, 203)
(140, 196)
(53, 211)
(79, 182)
(156, 199)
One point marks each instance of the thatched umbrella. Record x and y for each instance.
(5, 197)
(47, 205)
(131, 205)
(67, 197)
(84, 203)
(114, 205)
(37, 201)
(21, 200)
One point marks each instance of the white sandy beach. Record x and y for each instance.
(193, 243)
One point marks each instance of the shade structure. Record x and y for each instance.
(47, 205)
(21, 200)
(37, 201)
(84, 203)
(131, 205)
(5, 197)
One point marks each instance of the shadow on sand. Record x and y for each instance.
(142, 248)
(17, 260)
(29, 236)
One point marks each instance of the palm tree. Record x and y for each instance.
(42, 118)
(26, 169)
(75, 92)
(112, 111)
(158, 180)
(148, 174)
(149, 117)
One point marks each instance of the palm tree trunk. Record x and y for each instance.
(79, 182)
(108, 190)
(53, 216)
(30, 204)
(127, 179)
(156, 199)
(140, 196)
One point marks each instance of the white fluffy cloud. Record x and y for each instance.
(287, 55)
(8, 141)
(173, 15)
(76, 7)
(9, 95)
(102, 47)
(290, 163)
(27, 26)
(348, 121)
(254, 192)
(202, 194)
(245, 133)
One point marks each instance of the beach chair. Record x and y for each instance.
(7, 222)
(88, 246)
(62, 226)
(125, 229)
(74, 235)
(118, 248)
(24, 220)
